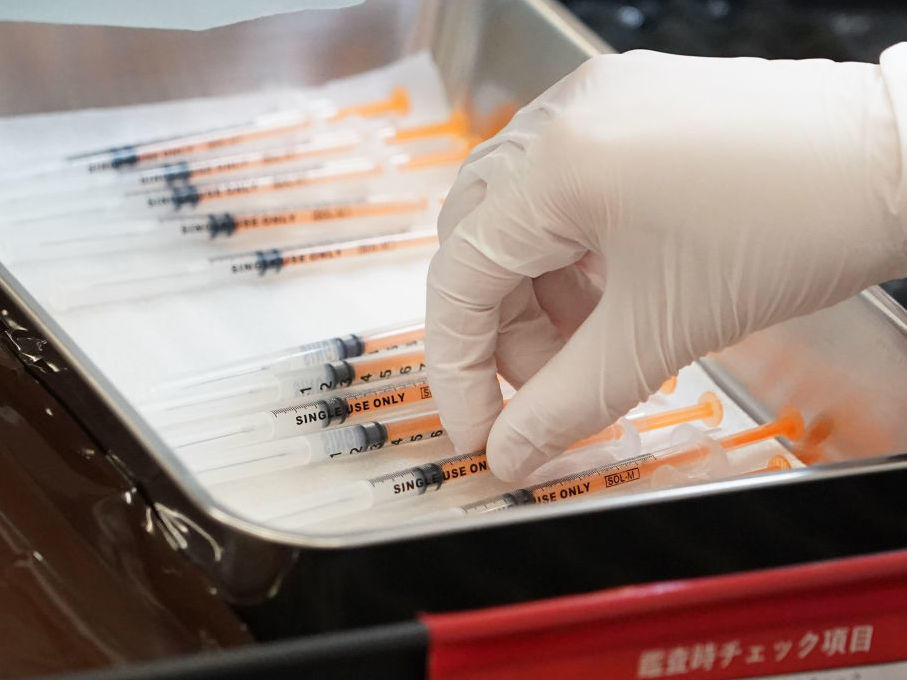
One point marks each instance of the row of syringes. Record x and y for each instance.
(191, 196)
(313, 131)
(338, 425)
(694, 451)
(218, 270)
(367, 170)
(293, 391)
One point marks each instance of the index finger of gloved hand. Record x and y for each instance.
(462, 315)
(486, 257)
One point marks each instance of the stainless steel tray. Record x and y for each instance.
(849, 361)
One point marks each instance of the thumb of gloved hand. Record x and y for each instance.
(721, 196)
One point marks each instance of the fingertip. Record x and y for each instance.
(468, 422)
(468, 399)
(463, 297)
(511, 457)
(470, 439)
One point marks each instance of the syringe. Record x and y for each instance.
(298, 357)
(63, 240)
(307, 416)
(266, 390)
(189, 196)
(336, 443)
(73, 193)
(399, 485)
(457, 125)
(789, 424)
(225, 269)
(622, 438)
(269, 125)
(353, 441)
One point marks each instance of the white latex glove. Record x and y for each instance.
(649, 209)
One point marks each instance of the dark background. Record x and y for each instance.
(782, 29)
(778, 29)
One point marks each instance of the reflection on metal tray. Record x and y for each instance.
(849, 361)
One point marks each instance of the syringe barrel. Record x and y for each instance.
(253, 158)
(310, 354)
(278, 362)
(318, 414)
(310, 381)
(322, 351)
(383, 366)
(275, 261)
(251, 392)
(307, 382)
(420, 479)
(312, 416)
(392, 337)
(347, 441)
(189, 145)
(497, 503)
(414, 428)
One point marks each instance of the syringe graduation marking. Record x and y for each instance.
(315, 145)
(375, 434)
(363, 369)
(185, 170)
(130, 155)
(249, 394)
(311, 354)
(337, 409)
(190, 194)
(263, 261)
(334, 375)
(230, 223)
(430, 476)
(399, 337)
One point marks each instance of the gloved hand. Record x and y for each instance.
(645, 210)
